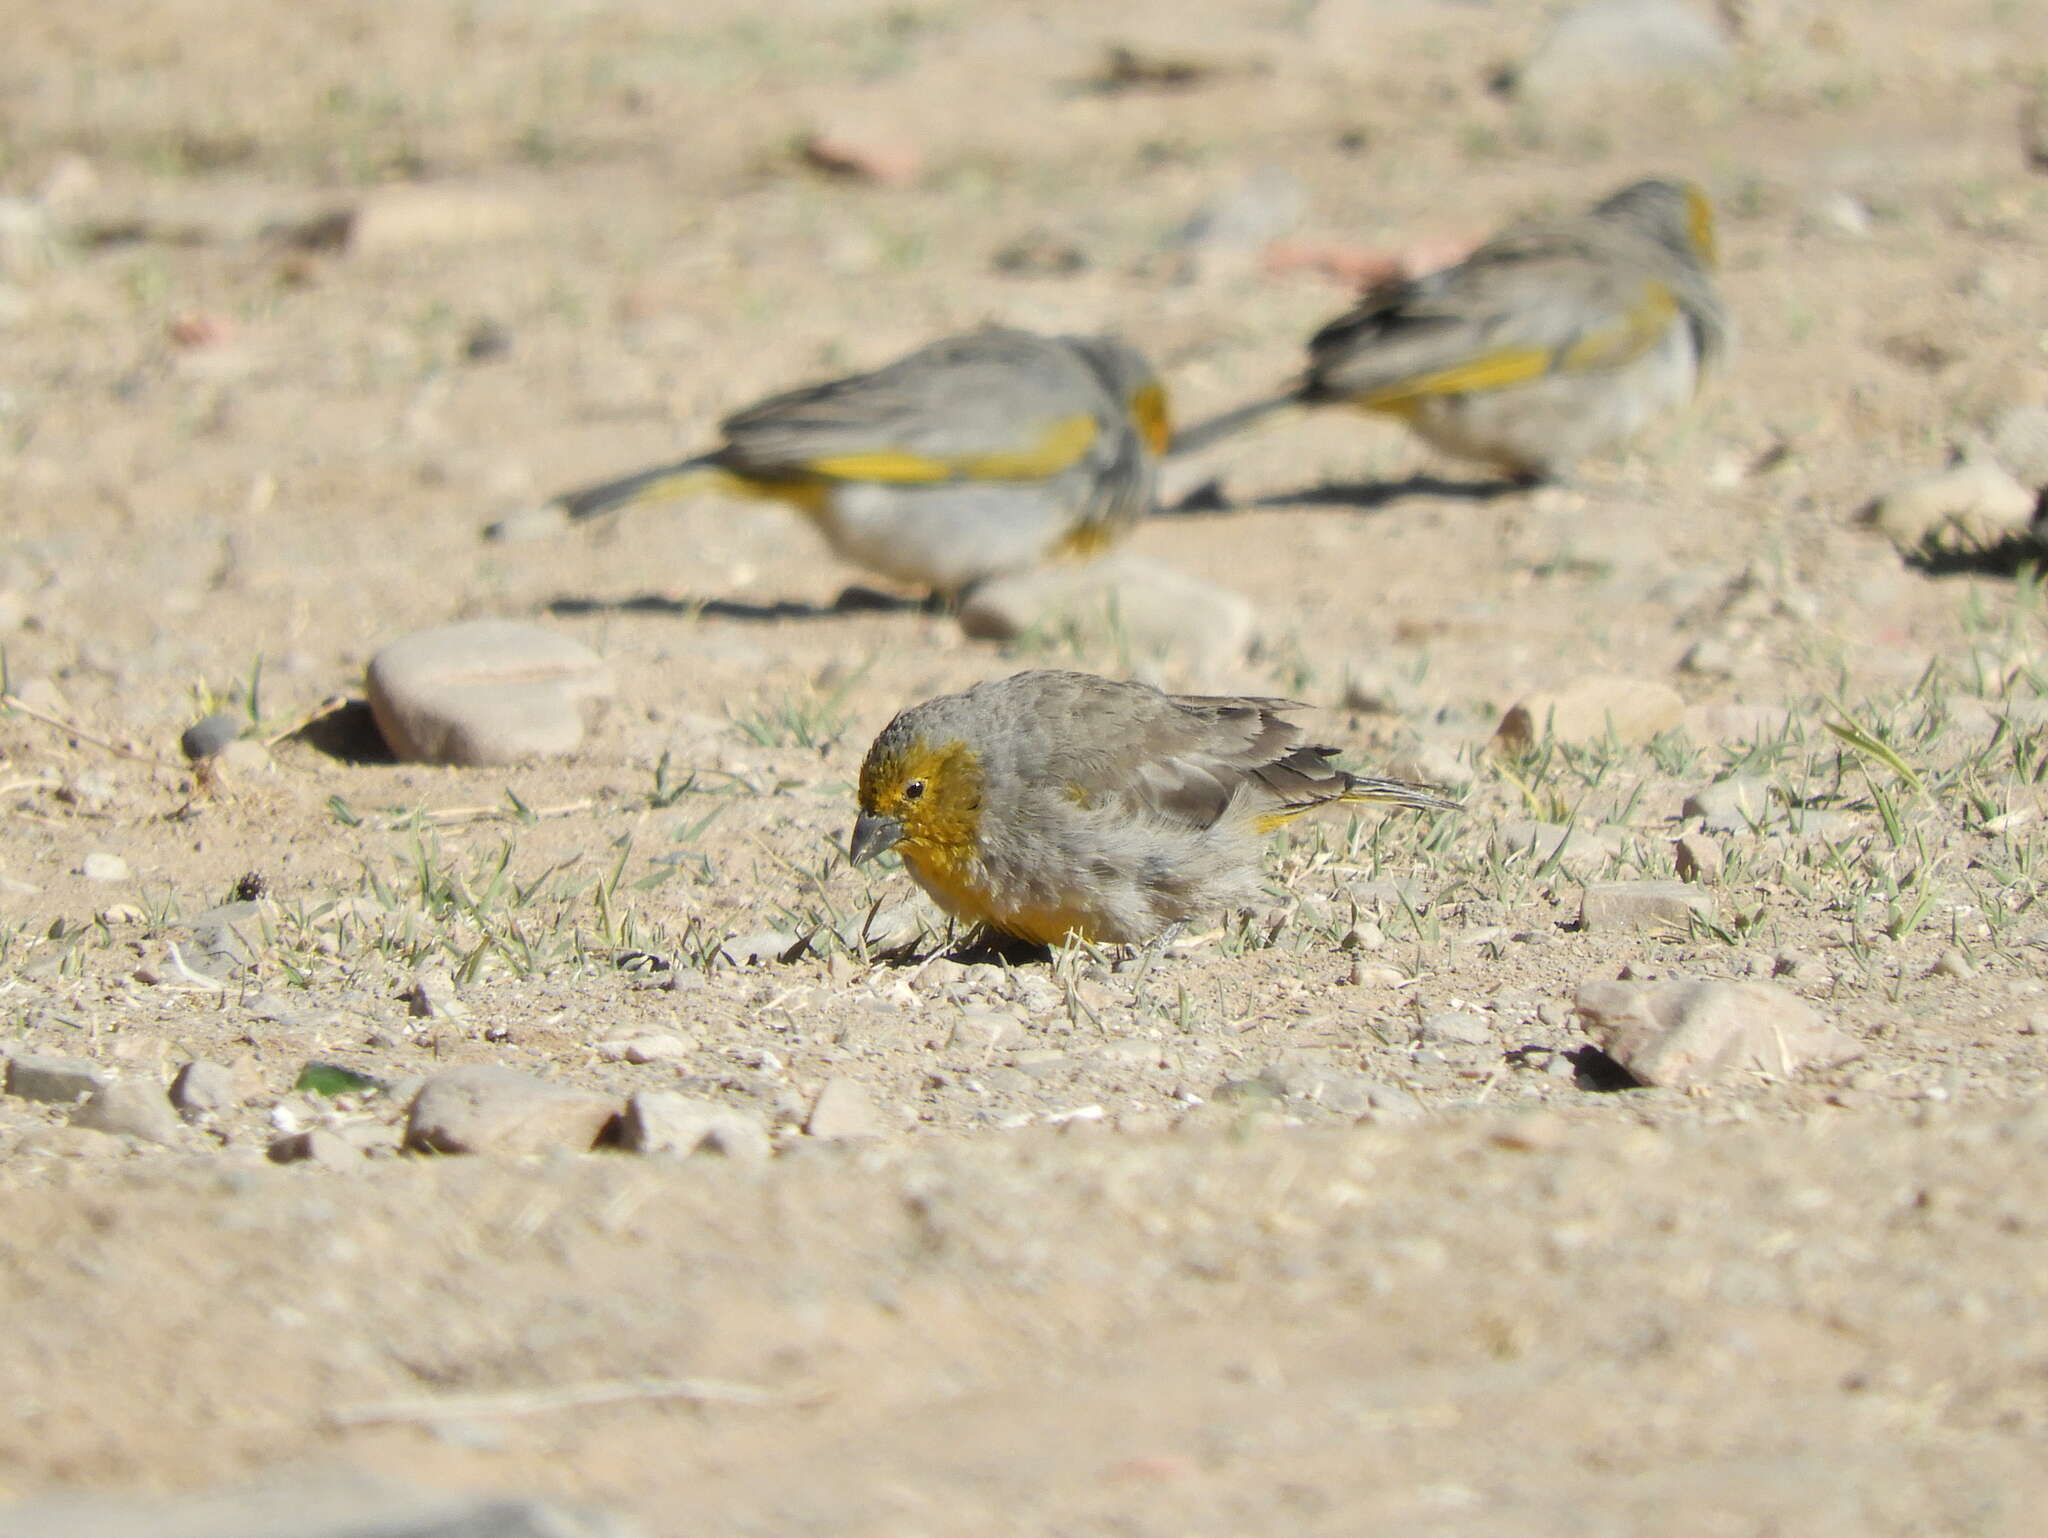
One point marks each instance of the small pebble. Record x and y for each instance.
(102, 866)
(207, 736)
(1953, 963)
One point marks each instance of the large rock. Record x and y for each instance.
(1972, 503)
(484, 692)
(129, 1108)
(1642, 904)
(1632, 710)
(52, 1080)
(665, 1122)
(485, 1109)
(1154, 609)
(1684, 1033)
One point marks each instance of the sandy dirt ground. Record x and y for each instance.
(1248, 1240)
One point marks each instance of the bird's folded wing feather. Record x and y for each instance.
(1185, 759)
(1523, 306)
(966, 409)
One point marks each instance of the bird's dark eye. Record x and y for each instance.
(912, 789)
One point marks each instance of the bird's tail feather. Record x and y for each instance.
(1360, 790)
(1190, 440)
(686, 478)
(1399, 793)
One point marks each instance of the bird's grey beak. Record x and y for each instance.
(873, 834)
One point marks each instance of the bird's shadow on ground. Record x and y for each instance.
(1212, 498)
(854, 600)
(997, 950)
(2009, 557)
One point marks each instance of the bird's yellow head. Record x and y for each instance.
(920, 796)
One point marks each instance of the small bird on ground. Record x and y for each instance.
(1050, 805)
(1552, 341)
(978, 454)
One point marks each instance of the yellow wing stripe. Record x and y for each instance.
(1057, 447)
(1494, 371)
(891, 465)
(1627, 338)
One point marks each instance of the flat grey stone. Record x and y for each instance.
(666, 1122)
(845, 1109)
(129, 1108)
(1151, 608)
(1683, 1033)
(1642, 904)
(484, 692)
(482, 1108)
(52, 1080)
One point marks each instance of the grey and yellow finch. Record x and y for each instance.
(1552, 341)
(1054, 804)
(978, 454)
